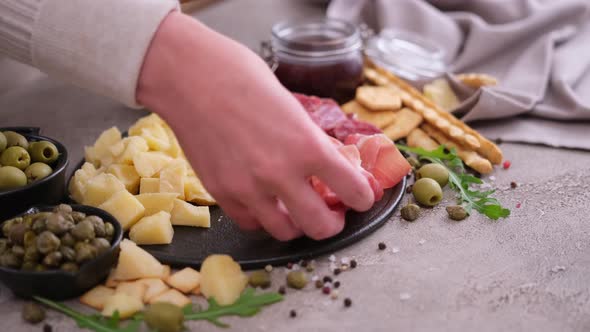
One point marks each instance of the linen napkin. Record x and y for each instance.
(538, 49)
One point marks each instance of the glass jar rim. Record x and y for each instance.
(324, 37)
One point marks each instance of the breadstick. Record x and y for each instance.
(419, 139)
(469, 157)
(406, 120)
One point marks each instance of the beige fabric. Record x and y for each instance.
(97, 45)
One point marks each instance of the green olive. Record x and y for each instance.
(410, 212)
(11, 177)
(68, 253)
(69, 267)
(8, 259)
(164, 317)
(58, 224)
(260, 279)
(53, 259)
(44, 152)
(297, 279)
(101, 244)
(427, 192)
(15, 139)
(437, 172)
(84, 230)
(84, 252)
(15, 156)
(3, 142)
(457, 212)
(33, 313)
(17, 234)
(37, 171)
(47, 242)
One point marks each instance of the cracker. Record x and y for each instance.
(475, 80)
(462, 133)
(406, 120)
(378, 98)
(378, 119)
(469, 157)
(419, 139)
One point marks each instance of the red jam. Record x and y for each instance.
(321, 58)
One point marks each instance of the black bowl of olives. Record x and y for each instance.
(32, 170)
(58, 252)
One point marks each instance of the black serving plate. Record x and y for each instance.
(47, 191)
(191, 245)
(61, 285)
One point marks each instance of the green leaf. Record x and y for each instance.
(460, 181)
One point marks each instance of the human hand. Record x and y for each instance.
(249, 140)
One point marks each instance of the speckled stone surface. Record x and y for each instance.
(525, 273)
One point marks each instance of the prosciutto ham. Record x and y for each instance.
(364, 146)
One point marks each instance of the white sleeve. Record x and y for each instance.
(95, 44)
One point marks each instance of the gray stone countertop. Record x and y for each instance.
(528, 272)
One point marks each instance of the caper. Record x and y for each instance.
(40, 268)
(296, 279)
(39, 225)
(53, 259)
(4, 246)
(68, 253)
(68, 240)
(437, 172)
(101, 244)
(19, 251)
(260, 279)
(457, 212)
(427, 192)
(414, 162)
(69, 267)
(28, 221)
(84, 252)
(8, 259)
(58, 224)
(31, 254)
(30, 238)
(84, 230)
(47, 242)
(109, 231)
(28, 266)
(99, 227)
(78, 216)
(63, 208)
(17, 233)
(164, 317)
(410, 212)
(33, 313)
(8, 225)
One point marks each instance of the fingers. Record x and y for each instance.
(309, 212)
(240, 214)
(274, 219)
(349, 184)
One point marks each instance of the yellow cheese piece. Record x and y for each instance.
(125, 208)
(154, 229)
(186, 214)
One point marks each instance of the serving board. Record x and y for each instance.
(191, 245)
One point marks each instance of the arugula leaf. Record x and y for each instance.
(461, 181)
(247, 305)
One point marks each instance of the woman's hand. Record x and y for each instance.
(249, 140)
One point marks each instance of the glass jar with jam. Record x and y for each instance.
(319, 57)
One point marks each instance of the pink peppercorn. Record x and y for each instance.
(326, 290)
(506, 164)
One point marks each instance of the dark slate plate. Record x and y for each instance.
(191, 245)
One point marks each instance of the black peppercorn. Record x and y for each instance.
(282, 290)
(327, 279)
(319, 284)
(47, 328)
(382, 246)
(304, 263)
(336, 284)
(293, 313)
(337, 271)
(513, 185)
(347, 302)
(352, 264)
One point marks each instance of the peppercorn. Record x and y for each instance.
(47, 328)
(506, 164)
(382, 246)
(293, 313)
(347, 302)
(303, 263)
(513, 185)
(268, 268)
(499, 141)
(353, 264)
(319, 284)
(326, 290)
(336, 284)
(289, 265)
(334, 294)
(337, 271)
(309, 268)
(327, 279)
(282, 290)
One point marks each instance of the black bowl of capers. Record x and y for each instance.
(32, 170)
(58, 252)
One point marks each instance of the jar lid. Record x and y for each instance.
(406, 54)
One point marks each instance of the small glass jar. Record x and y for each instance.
(320, 57)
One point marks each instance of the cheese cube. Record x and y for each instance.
(186, 214)
(157, 202)
(122, 303)
(195, 192)
(172, 178)
(100, 188)
(127, 175)
(125, 208)
(132, 146)
(148, 164)
(135, 263)
(149, 185)
(155, 229)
